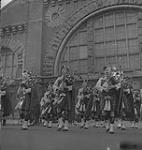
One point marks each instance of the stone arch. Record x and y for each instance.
(81, 21)
(17, 49)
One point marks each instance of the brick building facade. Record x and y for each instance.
(43, 35)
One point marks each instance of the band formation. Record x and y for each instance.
(108, 104)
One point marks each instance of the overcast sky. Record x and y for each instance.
(4, 2)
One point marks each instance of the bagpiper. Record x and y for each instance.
(107, 86)
(20, 97)
(6, 107)
(25, 109)
(47, 108)
(96, 109)
(84, 104)
(136, 108)
(125, 103)
(64, 84)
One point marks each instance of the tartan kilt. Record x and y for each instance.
(26, 103)
(125, 104)
(6, 107)
(111, 96)
(66, 103)
(84, 105)
(49, 109)
(88, 106)
(96, 105)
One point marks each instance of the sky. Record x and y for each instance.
(4, 2)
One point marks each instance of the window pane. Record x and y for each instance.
(132, 30)
(8, 63)
(8, 72)
(110, 48)
(119, 18)
(17, 74)
(121, 47)
(83, 52)
(99, 35)
(122, 61)
(9, 60)
(109, 19)
(100, 63)
(3, 60)
(120, 32)
(66, 54)
(74, 53)
(109, 34)
(98, 22)
(111, 61)
(74, 66)
(83, 38)
(83, 66)
(134, 62)
(133, 46)
(131, 17)
(99, 50)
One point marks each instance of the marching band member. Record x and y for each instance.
(6, 107)
(125, 102)
(137, 104)
(107, 86)
(65, 86)
(47, 111)
(27, 100)
(80, 106)
(84, 104)
(96, 109)
(20, 97)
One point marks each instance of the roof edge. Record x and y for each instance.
(8, 5)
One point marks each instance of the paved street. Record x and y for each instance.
(40, 138)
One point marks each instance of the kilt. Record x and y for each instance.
(125, 104)
(88, 105)
(66, 103)
(83, 106)
(26, 102)
(6, 106)
(66, 108)
(109, 100)
(25, 109)
(96, 109)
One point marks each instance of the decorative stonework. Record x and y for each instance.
(11, 30)
(59, 2)
(55, 16)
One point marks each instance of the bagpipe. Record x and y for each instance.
(84, 99)
(47, 103)
(59, 98)
(114, 81)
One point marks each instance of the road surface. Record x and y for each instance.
(40, 138)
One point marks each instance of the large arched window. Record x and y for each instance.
(8, 63)
(114, 39)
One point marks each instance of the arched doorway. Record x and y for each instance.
(113, 37)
